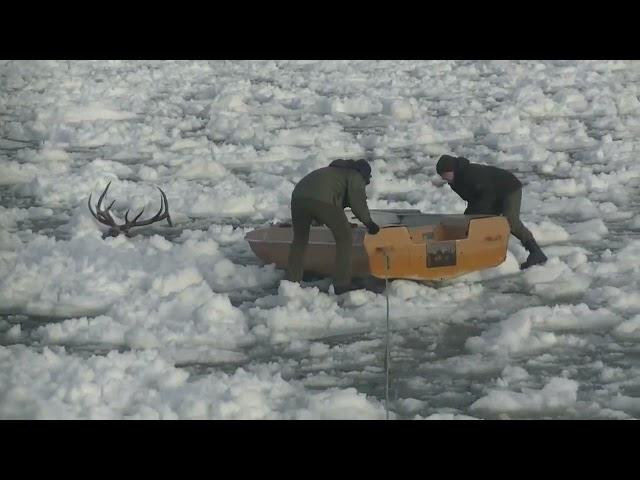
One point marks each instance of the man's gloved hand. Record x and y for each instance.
(373, 228)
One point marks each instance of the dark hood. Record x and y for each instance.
(360, 165)
(447, 163)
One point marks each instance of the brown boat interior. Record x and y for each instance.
(426, 226)
(421, 226)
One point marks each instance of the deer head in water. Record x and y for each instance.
(104, 216)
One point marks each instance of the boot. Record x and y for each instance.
(536, 256)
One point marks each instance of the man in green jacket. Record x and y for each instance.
(491, 190)
(322, 195)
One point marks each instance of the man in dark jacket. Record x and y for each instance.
(490, 190)
(323, 195)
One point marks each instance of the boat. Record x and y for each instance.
(410, 245)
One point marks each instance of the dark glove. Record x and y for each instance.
(373, 228)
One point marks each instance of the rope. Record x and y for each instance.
(387, 352)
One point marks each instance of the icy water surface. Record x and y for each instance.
(185, 322)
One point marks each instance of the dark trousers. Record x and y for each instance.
(509, 207)
(303, 211)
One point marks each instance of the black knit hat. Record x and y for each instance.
(364, 168)
(447, 163)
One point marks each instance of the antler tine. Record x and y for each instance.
(166, 206)
(161, 215)
(91, 209)
(138, 216)
(106, 214)
(103, 216)
(126, 216)
(102, 196)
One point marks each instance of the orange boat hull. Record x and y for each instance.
(443, 247)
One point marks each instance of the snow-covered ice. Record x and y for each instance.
(185, 322)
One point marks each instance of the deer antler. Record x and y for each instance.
(104, 216)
